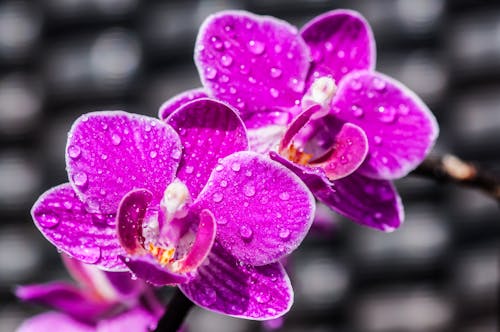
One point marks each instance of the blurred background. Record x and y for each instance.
(439, 272)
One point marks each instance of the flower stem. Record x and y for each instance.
(449, 168)
(176, 312)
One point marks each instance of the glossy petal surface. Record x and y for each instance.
(263, 210)
(400, 128)
(341, 41)
(148, 269)
(54, 322)
(174, 103)
(252, 62)
(111, 153)
(227, 286)
(209, 130)
(89, 237)
(369, 202)
(137, 319)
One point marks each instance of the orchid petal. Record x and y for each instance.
(135, 319)
(54, 322)
(111, 153)
(147, 268)
(227, 286)
(369, 202)
(89, 237)
(65, 298)
(341, 41)
(209, 130)
(263, 210)
(400, 128)
(252, 62)
(174, 103)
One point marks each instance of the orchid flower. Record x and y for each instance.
(313, 99)
(101, 301)
(180, 202)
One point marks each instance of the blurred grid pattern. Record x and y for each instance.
(439, 272)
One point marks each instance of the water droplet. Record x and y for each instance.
(317, 56)
(256, 47)
(284, 234)
(377, 140)
(153, 154)
(274, 93)
(235, 166)
(228, 28)
(80, 179)
(344, 160)
(74, 151)
(68, 205)
(296, 85)
(328, 46)
(340, 54)
(89, 252)
(377, 215)
(222, 221)
(276, 72)
(378, 84)
(386, 115)
(289, 55)
(357, 111)
(219, 168)
(210, 73)
(209, 296)
(248, 173)
(189, 169)
(176, 153)
(47, 220)
(252, 79)
(246, 232)
(232, 90)
(104, 125)
(384, 160)
(245, 204)
(244, 70)
(104, 156)
(356, 85)
(223, 183)
(218, 44)
(284, 196)
(403, 109)
(116, 139)
(278, 48)
(223, 79)
(249, 190)
(262, 297)
(218, 197)
(98, 219)
(226, 60)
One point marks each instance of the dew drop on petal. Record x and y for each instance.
(116, 139)
(284, 234)
(262, 297)
(176, 154)
(256, 47)
(236, 167)
(386, 115)
(276, 72)
(344, 160)
(47, 220)
(80, 179)
(340, 54)
(356, 85)
(219, 168)
(232, 90)
(357, 111)
(222, 221)
(378, 84)
(274, 92)
(189, 169)
(210, 73)
(377, 140)
(208, 296)
(90, 253)
(218, 44)
(68, 205)
(218, 197)
(223, 183)
(74, 151)
(249, 190)
(104, 156)
(278, 48)
(226, 60)
(246, 232)
(248, 173)
(153, 154)
(244, 69)
(284, 196)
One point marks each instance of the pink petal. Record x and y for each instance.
(252, 62)
(227, 286)
(149, 270)
(89, 237)
(54, 322)
(400, 128)
(263, 210)
(209, 130)
(136, 319)
(111, 153)
(341, 41)
(171, 105)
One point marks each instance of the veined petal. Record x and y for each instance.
(87, 236)
(209, 130)
(227, 286)
(111, 153)
(137, 319)
(263, 210)
(252, 62)
(369, 202)
(174, 103)
(55, 322)
(147, 268)
(65, 298)
(400, 128)
(341, 41)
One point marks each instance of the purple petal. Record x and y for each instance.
(89, 237)
(209, 130)
(111, 153)
(171, 105)
(369, 202)
(262, 209)
(148, 269)
(230, 287)
(252, 62)
(130, 216)
(400, 128)
(137, 319)
(65, 298)
(54, 322)
(341, 41)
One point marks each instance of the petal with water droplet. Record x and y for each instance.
(400, 128)
(128, 164)
(251, 231)
(226, 286)
(258, 75)
(148, 269)
(172, 104)
(76, 232)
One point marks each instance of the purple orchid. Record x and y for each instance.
(102, 301)
(314, 101)
(180, 202)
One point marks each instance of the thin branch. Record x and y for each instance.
(449, 168)
(177, 310)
